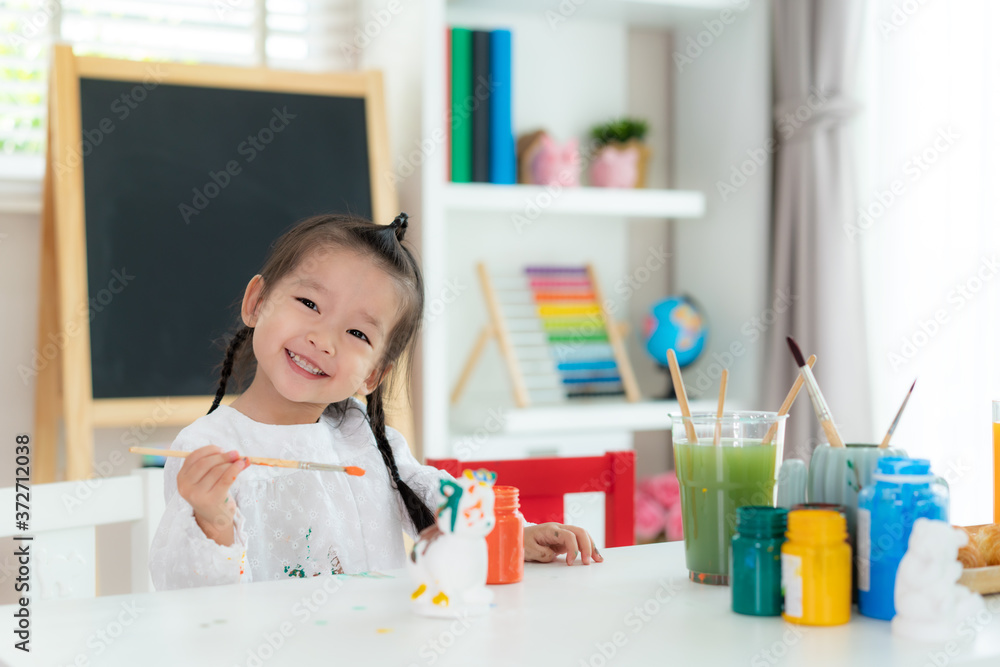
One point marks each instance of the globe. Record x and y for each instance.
(675, 323)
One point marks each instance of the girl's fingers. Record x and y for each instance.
(196, 467)
(584, 542)
(227, 475)
(542, 554)
(566, 542)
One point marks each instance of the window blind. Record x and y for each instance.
(285, 34)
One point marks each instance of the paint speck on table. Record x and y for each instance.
(320, 622)
(383, 631)
(205, 625)
(359, 607)
(219, 621)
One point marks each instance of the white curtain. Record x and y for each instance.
(927, 225)
(815, 50)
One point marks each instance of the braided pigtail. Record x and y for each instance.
(227, 366)
(420, 514)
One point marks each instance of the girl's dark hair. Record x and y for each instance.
(383, 244)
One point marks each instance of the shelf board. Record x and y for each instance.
(586, 416)
(662, 13)
(531, 200)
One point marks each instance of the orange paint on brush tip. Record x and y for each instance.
(354, 470)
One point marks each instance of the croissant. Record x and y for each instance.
(983, 549)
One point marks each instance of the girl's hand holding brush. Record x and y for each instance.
(204, 482)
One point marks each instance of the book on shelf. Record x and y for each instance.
(503, 162)
(461, 94)
(480, 102)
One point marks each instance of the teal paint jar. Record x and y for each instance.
(755, 563)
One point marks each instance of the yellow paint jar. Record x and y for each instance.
(816, 569)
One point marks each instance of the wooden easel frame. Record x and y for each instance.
(64, 384)
(497, 328)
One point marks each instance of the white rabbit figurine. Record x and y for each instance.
(930, 605)
(449, 565)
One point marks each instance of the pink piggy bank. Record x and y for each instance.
(556, 165)
(615, 168)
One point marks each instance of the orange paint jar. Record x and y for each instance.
(505, 543)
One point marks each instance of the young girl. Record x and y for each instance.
(337, 304)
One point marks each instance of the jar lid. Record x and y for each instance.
(761, 519)
(816, 526)
(898, 465)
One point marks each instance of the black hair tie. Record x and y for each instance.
(398, 226)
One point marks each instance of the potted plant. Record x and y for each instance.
(621, 157)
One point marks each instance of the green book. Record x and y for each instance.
(461, 105)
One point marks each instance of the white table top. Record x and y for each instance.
(639, 597)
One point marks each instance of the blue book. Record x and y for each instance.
(503, 163)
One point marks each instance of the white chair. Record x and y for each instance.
(64, 520)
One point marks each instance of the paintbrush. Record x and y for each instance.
(682, 397)
(787, 404)
(819, 403)
(885, 440)
(717, 440)
(260, 461)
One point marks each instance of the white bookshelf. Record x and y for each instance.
(565, 84)
(540, 200)
(584, 417)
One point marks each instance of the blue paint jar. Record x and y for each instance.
(904, 490)
(755, 561)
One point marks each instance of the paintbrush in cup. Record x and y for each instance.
(885, 440)
(717, 440)
(682, 398)
(819, 403)
(787, 404)
(260, 461)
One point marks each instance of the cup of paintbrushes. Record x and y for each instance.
(722, 463)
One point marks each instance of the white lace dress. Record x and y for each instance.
(291, 523)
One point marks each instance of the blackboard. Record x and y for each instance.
(185, 188)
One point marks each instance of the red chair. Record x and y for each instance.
(543, 482)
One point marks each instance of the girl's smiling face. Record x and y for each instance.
(318, 336)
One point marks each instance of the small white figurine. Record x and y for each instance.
(449, 565)
(930, 605)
